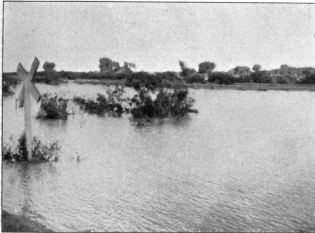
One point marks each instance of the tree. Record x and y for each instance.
(49, 66)
(256, 68)
(186, 72)
(221, 78)
(51, 77)
(106, 64)
(116, 66)
(284, 69)
(195, 78)
(131, 65)
(206, 67)
(128, 66)
(241, 71)
(182, 65)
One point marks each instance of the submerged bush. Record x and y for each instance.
(92, 107)
(166, 104)
(53, 107)
(41, 152)
(115, 99)
(102, 104)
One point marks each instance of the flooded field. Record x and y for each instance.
(245, 162)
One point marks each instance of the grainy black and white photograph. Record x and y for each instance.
(158, 117)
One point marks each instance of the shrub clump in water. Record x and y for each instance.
(166, 104)
(41, 152)
(112, 103)
(53, 107)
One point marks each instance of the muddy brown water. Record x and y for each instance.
(245, 162)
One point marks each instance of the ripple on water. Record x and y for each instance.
(245, 165)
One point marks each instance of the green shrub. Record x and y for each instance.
(53, 107)
(41, 152)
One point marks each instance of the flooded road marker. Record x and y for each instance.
(24, 99)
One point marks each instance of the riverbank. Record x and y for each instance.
(212, 86)
(15, 223)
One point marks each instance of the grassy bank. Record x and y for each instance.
(15, 223)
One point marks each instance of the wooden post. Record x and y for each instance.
(28, 89)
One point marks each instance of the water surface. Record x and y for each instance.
(245, 162)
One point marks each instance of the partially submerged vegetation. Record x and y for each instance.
(53, 107)
(92, 107)
(41, 152)
(145, 104)
(113, 102)
(166, 104)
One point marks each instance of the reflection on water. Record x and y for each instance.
(51, 124)
(245, 162)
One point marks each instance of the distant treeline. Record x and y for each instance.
(243, 74)
(111, 70)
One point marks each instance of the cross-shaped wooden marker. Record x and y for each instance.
(24, 99)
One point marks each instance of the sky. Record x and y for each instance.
(156, 36)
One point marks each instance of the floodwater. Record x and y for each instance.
(245, 162)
